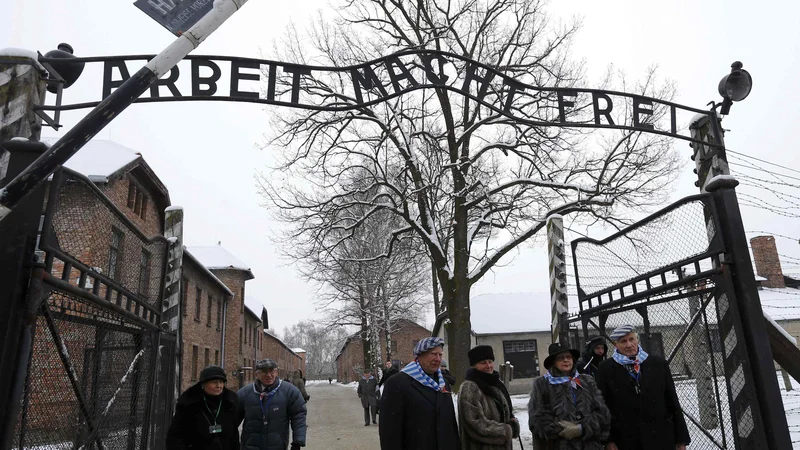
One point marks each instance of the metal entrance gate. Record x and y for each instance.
(667, 275)
(95, 379)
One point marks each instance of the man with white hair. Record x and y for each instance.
(640, 393)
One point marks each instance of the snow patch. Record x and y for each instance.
(123, 380)
(172, 239)
(720, 180)
(781, 329)
(98, 159)
(698, 117)
(23, 53)
(173, 208)
(19, 138)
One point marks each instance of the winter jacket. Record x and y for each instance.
(589, 362)
(286, 407)
(387, 374)
(190, 426)
(651, 420)
(415, 417)
(481, 423)
(551, 403)
(367, 392)
(448, 376)
(300, 384)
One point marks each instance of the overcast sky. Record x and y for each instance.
(207, 153)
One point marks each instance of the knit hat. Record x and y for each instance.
(213, 372)
(480, 353)
(621, 331)
(428, 343)
(443, 364)
(557, 349)
(266, 364)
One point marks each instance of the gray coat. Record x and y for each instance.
(286, 407)
(480, 422)
(367, 392)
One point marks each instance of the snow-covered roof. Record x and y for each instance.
(781, 304)
(216, 257)
(99, 159)
(298, 350)
(208, 273)
(760, 278)
(510, 313)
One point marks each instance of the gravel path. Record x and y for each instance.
(336, 419)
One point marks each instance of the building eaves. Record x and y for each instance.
(207, 272)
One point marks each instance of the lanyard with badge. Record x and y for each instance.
(636, 374)
(269, 395)
(215, 428)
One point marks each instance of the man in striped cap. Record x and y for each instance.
(417, 404)
(640, 393)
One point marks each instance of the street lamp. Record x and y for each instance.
(734, 87)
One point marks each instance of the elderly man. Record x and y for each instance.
(268, 406)
(639, 392)
(367, 392)
(417, 410)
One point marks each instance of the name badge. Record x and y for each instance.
(266, 422)
(215, 429)
(578, 416)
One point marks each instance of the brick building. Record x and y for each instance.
(350, 360)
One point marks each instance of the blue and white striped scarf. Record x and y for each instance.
(414, 370)
(573, 380)
(626, 361)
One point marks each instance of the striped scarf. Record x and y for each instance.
(633, 365)
(414, 370)
(573, 380)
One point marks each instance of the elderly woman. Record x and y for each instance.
(485, 415)
(566, 410)
(206, 416)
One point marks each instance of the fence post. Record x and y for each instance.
(763, 419)
(558, 278)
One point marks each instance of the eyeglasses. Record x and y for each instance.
(270, 371)
(564, 357)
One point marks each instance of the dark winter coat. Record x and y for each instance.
(367, 392)
(387, 374)
(415, 417)
(300, 384)
(551, 403)
(448, 376)
(652, 420)
(189, 429)
(485, 420)
(588, 363)
(286, 407)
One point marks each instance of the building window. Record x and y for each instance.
(137, 200)
(185, 296)
(219, 314)
(216, 357)
(115, 253)
(194, 363)
(205, 357)
(197, 300)
(143, 212)
(144, 273)
(394, 346)
(131, 194)
(209, 309)
(241, 294)
(240, 340)
(519, 346)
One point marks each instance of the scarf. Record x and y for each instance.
(487, 380)
(367, 379)
(633, 365)
(262, 390)
(573, 379)
(414, 370)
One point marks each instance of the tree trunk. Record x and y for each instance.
(436, 304)
(365, 335)
(460, 330)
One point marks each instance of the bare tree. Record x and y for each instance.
(469, 183)
(321, 344)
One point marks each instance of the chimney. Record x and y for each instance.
(768, 265)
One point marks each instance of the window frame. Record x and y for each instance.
(115, 253)
(198, 303)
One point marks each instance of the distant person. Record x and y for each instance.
(485, 414)
(300, 383)
(206, 416)
(566, 410)
(594, 353)
(367, 392)
(417, 410)
(268, 407)
(330, 380)
(390, 370)
(640, 393)
(446, 373)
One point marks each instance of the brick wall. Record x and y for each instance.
(768, 264)
(198, 333)
(117, 190)
(234, 323)
(287, 360)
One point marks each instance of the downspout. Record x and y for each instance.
(222, 342)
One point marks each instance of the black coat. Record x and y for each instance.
(387, 374)
(190, 425)
(652, 420)
(589, 363)
(415, 417)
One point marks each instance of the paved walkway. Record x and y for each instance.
(336, 420)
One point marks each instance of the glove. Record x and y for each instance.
(514, 427)
(295, 446)
(571, 430)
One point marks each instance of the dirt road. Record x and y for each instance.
(336, 420)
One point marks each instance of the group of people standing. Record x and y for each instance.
(583, 402)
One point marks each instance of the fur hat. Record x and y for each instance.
(212, 372)
(479, 353)
(557, 349)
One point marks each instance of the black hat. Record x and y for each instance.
(213, 372)
(480, 353)
(556, 349)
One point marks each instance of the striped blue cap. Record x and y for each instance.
(621, 331)
(428, 343)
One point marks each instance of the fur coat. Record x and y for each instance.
(550, 403)
(480, 423)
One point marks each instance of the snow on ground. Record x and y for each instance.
(319, 381)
